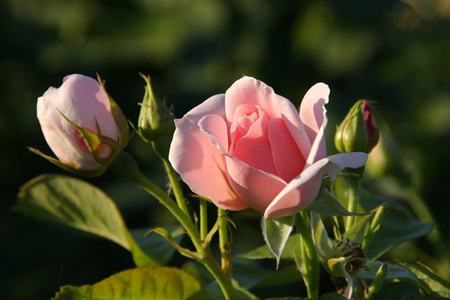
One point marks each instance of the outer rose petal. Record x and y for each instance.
(249, 91)
(61, 139)
(82, 101)
(198, 160)
(306, 186)
(313, 116)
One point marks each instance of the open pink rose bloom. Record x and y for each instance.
(251, 148)
(82, 101)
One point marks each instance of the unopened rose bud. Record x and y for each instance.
(359, 131)
(83, 126)
(156, 122)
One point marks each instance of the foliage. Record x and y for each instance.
(394, 52)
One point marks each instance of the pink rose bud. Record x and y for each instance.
(82, 125)
(251, 148)
(359, 131)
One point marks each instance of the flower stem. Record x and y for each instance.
(173, 177)
(346, 189)
(352, 205)
(224, 243)
(377, 283)
(125, 167)
(203, 219)
(310, 263)
(223, 279)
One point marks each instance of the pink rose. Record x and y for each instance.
(249, 147)
(80, 124)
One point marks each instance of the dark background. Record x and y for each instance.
(396, 53)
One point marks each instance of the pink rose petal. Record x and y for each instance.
(307, 184)
(288, 159)
(198, 160)
(313, 116)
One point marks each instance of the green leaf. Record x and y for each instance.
(393, 232)
(264, 252)
(184, 251)
(430, 281)
(148, 283)
(332, 296)
(288, 298)
(284, 276)
(399, 225)
(397, 291)
(276, 233)
(214, 292)
(76, 204)
(156, 245)
(326, 204)
(393, 272)
(140, 258)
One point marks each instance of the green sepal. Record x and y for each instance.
(69, 168)
(94, 140)
(357, 233)
(183, 251)
(326, 204)
(119, 118)
(324, 245)
(276, 233)
(336, 268)
(365, 228)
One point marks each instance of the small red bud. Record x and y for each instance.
(359, 131)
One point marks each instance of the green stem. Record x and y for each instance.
(203, 219)
(173, 177)
(309, 256)
(216, 270)
(224, 242)
(125, 167)
(377, 283)
(346, 189)
(352, 203)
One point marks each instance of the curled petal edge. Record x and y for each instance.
(330, 165)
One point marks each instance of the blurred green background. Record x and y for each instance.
(394, 52)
